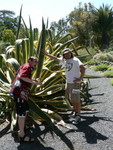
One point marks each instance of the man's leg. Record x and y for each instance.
(21, 112)
(21, 125)
(76, 116)
(76, 108)
(22, 108)
(75, 101)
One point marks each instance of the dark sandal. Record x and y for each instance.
(28, 127)
(22, 139)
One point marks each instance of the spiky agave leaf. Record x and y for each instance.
(2, 60)
(31, 39)
(64, 37)
(3, 76)
(18, 50)
(19, 23)
(66, 44)
(42, 43)
(36, 109)
(10, 52)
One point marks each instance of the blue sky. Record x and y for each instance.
(52, 9)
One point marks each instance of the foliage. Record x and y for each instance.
(103, 57)
(93, 62)
(7, 21)
(110, 68)
(102, 26)
(8, 36)
(3, 45)
(93, 26)
(101, 67)
(60, 26)
(80, 20)
(51, 93)
(108, 74)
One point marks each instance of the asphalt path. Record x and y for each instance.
(95, 132)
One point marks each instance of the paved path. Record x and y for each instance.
(95, 132)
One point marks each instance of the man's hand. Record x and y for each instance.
(37, 81)
(77, 79)
(44, 52)
(52, 57)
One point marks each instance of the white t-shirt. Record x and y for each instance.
(72, 68)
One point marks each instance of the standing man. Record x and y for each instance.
(20, 91)
(74, 70)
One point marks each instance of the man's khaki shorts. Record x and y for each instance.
(72, 92)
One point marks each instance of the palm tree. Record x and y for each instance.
(103, 26)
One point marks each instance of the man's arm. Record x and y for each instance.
(52, 57)
(32, 81)
(82, 70)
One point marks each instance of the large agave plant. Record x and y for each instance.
(51, 93)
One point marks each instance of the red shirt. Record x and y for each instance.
(24, 71)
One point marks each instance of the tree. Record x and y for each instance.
(8, 36)
(103, 26)
(7, 21)
(61, 25)
(80, 23)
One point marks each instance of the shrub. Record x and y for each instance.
(3, 45)
(108, 74)
(8, 36)
(104, 57)
(101, 67)
(93, 62)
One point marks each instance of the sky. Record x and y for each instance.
(48, 9)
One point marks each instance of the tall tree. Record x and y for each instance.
(103, 26)
(80, 23)
(7, 21)
(61, 25)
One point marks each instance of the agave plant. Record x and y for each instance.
(51, 93)
(53, 82)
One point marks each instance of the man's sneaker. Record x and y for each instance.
(73, 114)
(76, 120)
